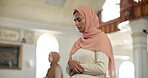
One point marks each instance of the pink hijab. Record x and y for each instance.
(93, 38)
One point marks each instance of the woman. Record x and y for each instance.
(55, 70)
(91, 55)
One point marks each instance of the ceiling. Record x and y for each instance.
(56, 12)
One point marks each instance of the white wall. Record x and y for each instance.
(28, 53)
(65, 42)
(65, 36)
(120, 51)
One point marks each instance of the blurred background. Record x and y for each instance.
(41, 26)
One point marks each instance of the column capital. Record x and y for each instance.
(139, 34)
(139, 24)
(139, 38)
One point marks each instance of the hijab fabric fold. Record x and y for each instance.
(93, 38)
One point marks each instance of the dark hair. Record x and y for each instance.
(75, 12)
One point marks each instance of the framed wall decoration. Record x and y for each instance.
(10, 56)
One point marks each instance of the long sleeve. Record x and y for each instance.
(95, 64)
(99, 67)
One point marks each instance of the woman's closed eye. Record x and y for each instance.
(78, 19)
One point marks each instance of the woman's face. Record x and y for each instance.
(79, 22)
(50, 59)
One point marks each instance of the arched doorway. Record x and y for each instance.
(45, 43)
(126, 70)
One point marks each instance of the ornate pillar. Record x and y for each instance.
(140, 52)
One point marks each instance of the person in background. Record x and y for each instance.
(55, 71)
(91, 55)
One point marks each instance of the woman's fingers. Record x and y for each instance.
(76, 70)
(80, 66)
(79, 69)
(75, 66)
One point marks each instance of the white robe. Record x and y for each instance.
(95, 64)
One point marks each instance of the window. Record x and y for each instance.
(126, 70)
(45, 44)
(111, 10)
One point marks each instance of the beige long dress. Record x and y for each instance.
(95, 64)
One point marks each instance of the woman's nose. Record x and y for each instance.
(77, 23)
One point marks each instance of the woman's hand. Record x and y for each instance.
(75, 66)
